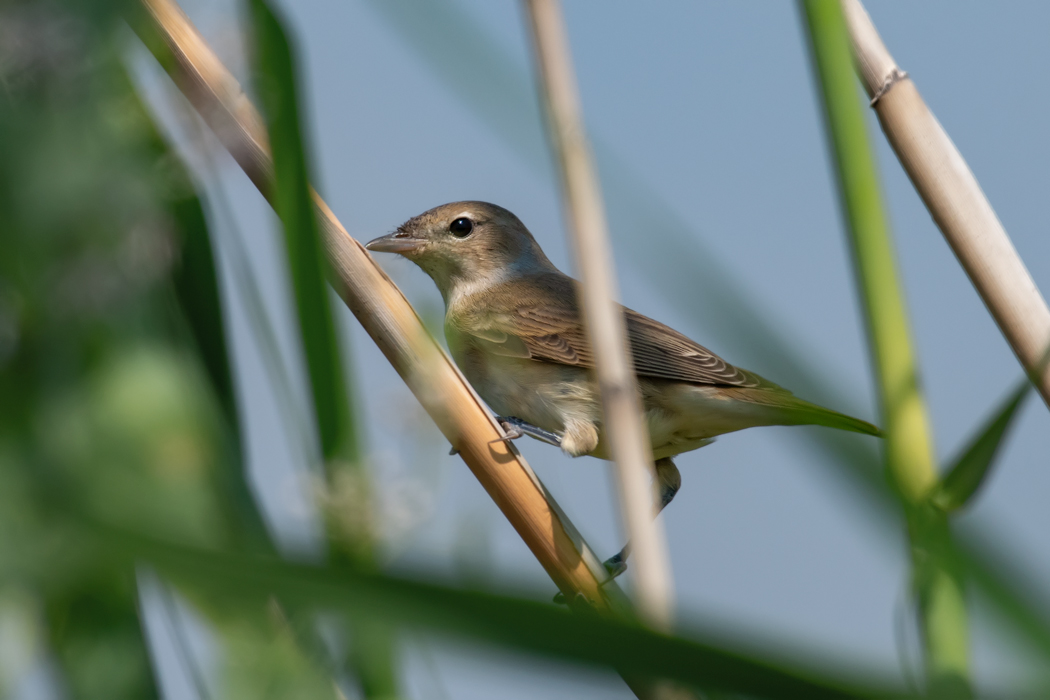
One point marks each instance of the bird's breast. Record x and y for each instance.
(544, 394)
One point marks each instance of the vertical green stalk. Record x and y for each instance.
(293, 202)
(908, 446)
(292, 197)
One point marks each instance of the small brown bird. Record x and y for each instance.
(513, 324)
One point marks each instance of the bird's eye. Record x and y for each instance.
(461, 227)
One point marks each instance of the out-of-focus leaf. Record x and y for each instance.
(197, 290)
(195, 282)
(264, 656)
(85, 256)
(1011, 587)
(293, 201)
(96, 634)
(262, 653)
(514, 622)
(196, 287)
(276, 87)
(971, 469)
(244, 278)
(136, 444)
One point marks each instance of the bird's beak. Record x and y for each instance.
(396, 242)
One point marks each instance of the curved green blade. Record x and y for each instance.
(969, 471)
(508, 621)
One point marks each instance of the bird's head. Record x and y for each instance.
(466, 243)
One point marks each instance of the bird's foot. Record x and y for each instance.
(512, 431)
(516, 427)
(615, 565)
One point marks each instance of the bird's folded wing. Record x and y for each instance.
(510, 324)
(660, 351)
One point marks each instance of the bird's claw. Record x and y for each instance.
(516, 427)
(512, 430)
(615, 565)
(578, 599)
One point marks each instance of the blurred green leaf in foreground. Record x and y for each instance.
(101, 410)
(116, 397)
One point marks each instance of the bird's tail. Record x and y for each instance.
(811, 414)
(787, 409)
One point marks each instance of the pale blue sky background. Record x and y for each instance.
(707, 124)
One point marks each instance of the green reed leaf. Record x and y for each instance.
(293, 201)
(971, 469)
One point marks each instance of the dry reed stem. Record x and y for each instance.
(604, 323)
(393, 324)
(954, 199)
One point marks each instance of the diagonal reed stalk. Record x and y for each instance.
(388, 318)
(908, 445)
(955, 200)
(604, 324)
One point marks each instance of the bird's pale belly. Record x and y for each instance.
(546, 395)
(563, 399)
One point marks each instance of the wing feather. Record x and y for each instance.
(546, 326)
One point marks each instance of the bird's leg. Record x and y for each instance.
(516, 427)
(670, 480)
